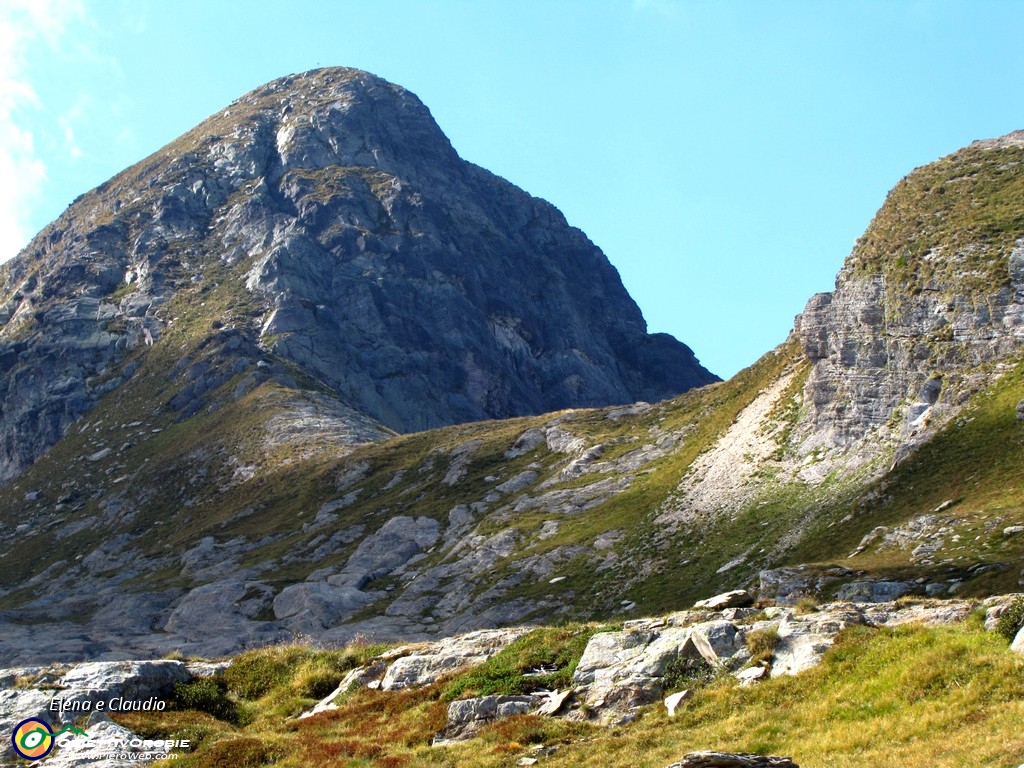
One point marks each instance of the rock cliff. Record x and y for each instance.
(326, 221)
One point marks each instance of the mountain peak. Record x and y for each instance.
(327, 225)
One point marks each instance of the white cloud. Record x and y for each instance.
(74, 151)
(24, 23)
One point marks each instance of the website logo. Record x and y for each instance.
(33, 738)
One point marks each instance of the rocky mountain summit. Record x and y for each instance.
(322, 226)
(314, 270)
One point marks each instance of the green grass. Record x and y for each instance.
(968, 206)
(514, 670)
(912, 696)
(977, 461)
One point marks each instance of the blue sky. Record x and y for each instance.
(724, 155)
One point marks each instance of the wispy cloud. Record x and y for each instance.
(24, 23)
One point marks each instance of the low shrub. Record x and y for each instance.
(242, 752)
(762, 644)
(1012, 620)
(209, 695)
(806, 605)
(685, 673)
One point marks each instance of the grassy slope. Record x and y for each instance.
(949, 223)
(908, 697)
(977, 462)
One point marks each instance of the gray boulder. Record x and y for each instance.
(20, 704)
(128, 680)
(381, 553)
(489, 708)
(1017, 646)
(93, 749)
(873, 591)
(225, 607)
(803, 640)
(737, 598)
(620, 671)
(431, 661)
(465, 717)
(317, 605)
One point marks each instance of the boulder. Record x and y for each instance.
(732, 760)
(873, 591)
(76, 751)
(1017, 646)
(804, 639)
(553, 702)
(623, 670)
(489, 708)
(20, 704)
(225, 607)
(315, 605)
(465, 717)
(436, 659)
(128, 680)
(751, 675)
(392, 546)
(672, 701)
(737, 598)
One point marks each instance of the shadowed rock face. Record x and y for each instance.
(420, 289)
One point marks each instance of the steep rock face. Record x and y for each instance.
(931, 295)
(324, 219)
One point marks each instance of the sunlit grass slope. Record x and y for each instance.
(909, 697)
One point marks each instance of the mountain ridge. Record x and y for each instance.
(205, 504)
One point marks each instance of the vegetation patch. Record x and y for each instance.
(543, 659)
(762, 644)
(938, 696)
(1012, 620)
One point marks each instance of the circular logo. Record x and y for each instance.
(33, 739)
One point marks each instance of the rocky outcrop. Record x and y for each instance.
(732, 760)
(927, 311)
(710, 759)
(918, 310)
(428, 663)
(804, 639)
(61, 696)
